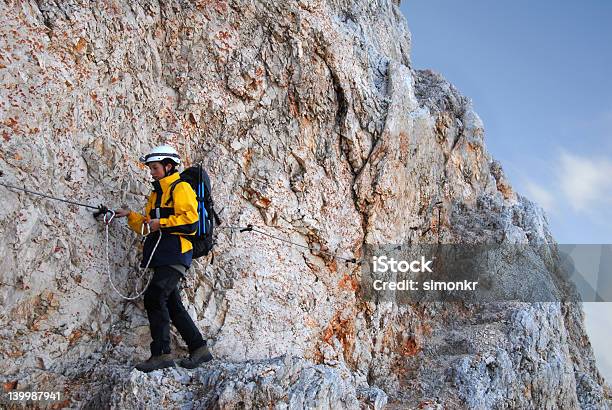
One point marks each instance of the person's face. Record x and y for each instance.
(157, 170)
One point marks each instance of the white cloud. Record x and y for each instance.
(585, 182)
(540, 195)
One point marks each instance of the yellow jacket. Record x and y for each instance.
(178, 216)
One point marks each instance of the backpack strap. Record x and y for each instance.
(172, 186)
(155, 212)
(207, 199)
(218, 220)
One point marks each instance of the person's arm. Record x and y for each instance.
(135, 220)
(185, 218)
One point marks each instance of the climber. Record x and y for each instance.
(170, 260)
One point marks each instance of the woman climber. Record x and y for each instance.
(171, 213)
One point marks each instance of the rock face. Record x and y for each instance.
(276, 383)
(313, 126)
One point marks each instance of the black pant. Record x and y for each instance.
(162, 301)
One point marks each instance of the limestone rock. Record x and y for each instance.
(280, 383)
(314, 127)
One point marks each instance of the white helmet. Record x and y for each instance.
(161, 152)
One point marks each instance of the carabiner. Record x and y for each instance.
(112, 216)
(142, 229)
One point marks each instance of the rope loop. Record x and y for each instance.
(142, 271)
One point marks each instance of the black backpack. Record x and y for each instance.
(203, 241)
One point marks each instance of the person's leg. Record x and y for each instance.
(162, 284)
(183, 322)
(198, 352)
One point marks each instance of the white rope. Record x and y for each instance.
(142, 271)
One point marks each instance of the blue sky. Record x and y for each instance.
(540, 76)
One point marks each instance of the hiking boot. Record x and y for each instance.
(156, 362)
(196, 358)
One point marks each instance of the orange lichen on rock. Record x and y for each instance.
(74, 337)
(80, 45)
(257, 198)
(505, 189)
(410, 347)
(343, 330)
(349, 283)
(11, 385)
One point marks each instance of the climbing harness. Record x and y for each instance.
(251, 228)
(107, 222)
